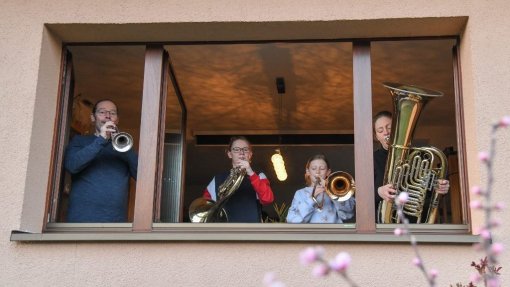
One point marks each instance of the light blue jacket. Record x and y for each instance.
(304, 210)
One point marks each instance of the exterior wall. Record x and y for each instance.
(30, 63)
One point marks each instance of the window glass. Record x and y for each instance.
(171, 187)
(294, 97)
(102, 72)
(426, 64)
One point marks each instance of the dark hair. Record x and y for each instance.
(317, 156)
(381, 114)
(103, 100)
(235, 138)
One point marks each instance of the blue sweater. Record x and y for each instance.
(100, 180)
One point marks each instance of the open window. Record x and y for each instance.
(185, 100)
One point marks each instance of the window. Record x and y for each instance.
(329, 79)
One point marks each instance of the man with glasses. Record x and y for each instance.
(245, 203)
(100, 174)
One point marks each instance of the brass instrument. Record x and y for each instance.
(122, 141)
(411, 169)
(340, 186)
(206, 210)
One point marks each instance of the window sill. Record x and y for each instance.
(230, 232)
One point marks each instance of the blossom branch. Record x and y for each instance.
(430, 276)
(491, 248)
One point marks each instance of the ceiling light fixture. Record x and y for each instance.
(279, 165)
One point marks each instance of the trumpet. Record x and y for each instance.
(121, 141)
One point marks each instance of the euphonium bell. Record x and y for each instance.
(340, 186)
(122, 141)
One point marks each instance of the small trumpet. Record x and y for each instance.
(121, 141)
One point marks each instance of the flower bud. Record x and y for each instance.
(399, 231)
(499, 206)
(320, 270)
(475, 278)
(475, 204)
(483, 156)
(402, 198)
(341, 262)
(416, 262)
(497, 248)
(308, 256)
(504, 122)
(485, 234)
(476, 190)
(493, 282)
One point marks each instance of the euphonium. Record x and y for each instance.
(206, 210)
(410, 169)
(340, 186)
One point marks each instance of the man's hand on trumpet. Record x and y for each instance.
(108, 129)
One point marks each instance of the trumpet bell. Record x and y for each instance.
(122, 142)
(340, 186)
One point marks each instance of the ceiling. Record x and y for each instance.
(231, 88)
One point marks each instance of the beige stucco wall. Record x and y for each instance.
(28, 90)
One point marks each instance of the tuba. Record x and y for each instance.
(206, 210)
(340, 186)
(411, 169)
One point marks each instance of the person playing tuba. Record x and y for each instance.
(240, 192)
(382, 129)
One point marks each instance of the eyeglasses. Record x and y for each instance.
(239, 150)
(104, 112)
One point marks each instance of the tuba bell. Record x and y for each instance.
(206, 210)
(340, 186)
(411, 169)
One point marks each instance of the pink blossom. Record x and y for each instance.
(475, 277)
(341, 262)
(497, 248)
(485, 234)
(499, 206)
(308, 256)
(433, 273)
(495, 222)
(475, 204)
(493, 282)
(476, 190)
(320, 270)
(416, 262)
(402, 198)
(483, 156)
(269, 278)
(271, 281)
(399, 231)
(504, 122)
